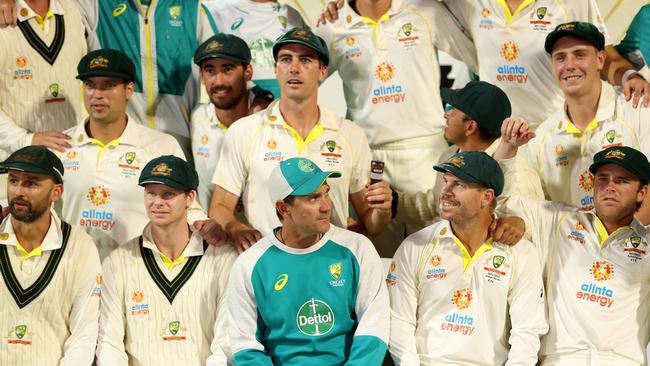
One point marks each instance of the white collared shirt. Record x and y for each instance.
(256, 144)
(562, 154)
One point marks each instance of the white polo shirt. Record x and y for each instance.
(562, 154)
(256, 144)
(101, 192)
(390, 70)
(598, 285)
(510, 48)
(448, 307)
(259, 24)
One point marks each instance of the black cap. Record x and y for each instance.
(34, 159)
(626, 157)
(171, 171)
(582, 30)
(106, 62)
(305, 37)
(223, 45)
(476, 167)
(485, 103)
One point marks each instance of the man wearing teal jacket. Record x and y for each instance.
(310, 293)
(160, 36)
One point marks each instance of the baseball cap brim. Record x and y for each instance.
(220, 55)
(121, 75)
(450, 96)
(166, 181)
(623, 164)
(312, 184)
(447, 167)
(278, 44)
(23, 167)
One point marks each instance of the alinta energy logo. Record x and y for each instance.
(97, 218)
(586, 182)
(598, 293)
(457, 322)
(387, 92)
(511, 72)
(315, 318)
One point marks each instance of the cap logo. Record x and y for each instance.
(213, 46)
(25, 157)
(302, 34)
(98, 61)
(615, 154)
(457, 161)
(567, 27)
(305, 166)
(162, 169)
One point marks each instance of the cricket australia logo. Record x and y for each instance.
(315, 318)
(336, 270)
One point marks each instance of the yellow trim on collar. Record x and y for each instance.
(467, 259)
(41, 21)
(506, 9)
(572, 129)
(313, 135)
(169, 263)
(24, 255)
(374, 24)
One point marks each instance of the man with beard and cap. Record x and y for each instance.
(51, 275)
(225, 69)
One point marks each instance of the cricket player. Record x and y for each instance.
(594, 117)
(107, 154)
(457, 295)
(164, 290)
(259, 23)
(50, 270)
(225, 68)
(474, 116)
(295, 125)
(309, 293)
(594, 260)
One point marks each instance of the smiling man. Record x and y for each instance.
(451, 283)
(50, 271)
(225, 68)
(594, 117)
(295, 125)
(164, 289)
(309, 293)
(595, 261)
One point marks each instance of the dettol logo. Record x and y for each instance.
(315, 318)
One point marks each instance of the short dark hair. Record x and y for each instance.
(488, 135)
(289, 201)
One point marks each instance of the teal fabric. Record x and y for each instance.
(636, 44)
(118, 28)
(311, 319)
(270, 85)
(175, 39)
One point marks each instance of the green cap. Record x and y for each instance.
(305, 37)
(626, 157)
(485, 103)
(296, 177)
(223, 45)
(106, 62)
(582, 30)
(476, 167)
(34, 159)
(171, 171)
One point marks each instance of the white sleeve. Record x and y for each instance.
(79, 348)
(402, 287)
(526, 308)
(360, 174)
(206, 26)
(110, 348)
(242, 314)
(231, 173)
(587, 11)
(14, 137)
(220, 346)
(447, 33)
